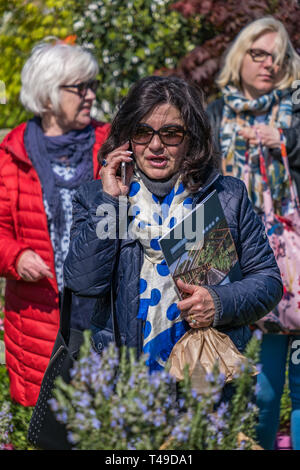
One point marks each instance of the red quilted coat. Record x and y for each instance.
(31, 308)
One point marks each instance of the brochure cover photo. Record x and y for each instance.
(200, 249)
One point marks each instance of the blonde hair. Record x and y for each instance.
(284, 49)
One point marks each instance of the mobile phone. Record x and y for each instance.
(124, 166)
(123, 172)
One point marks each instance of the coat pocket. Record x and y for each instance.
(102, 338)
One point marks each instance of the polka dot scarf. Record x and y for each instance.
(163, 326)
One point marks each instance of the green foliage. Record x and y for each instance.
(113, 397)
(285, 404)
(112, 402)
(131, 40)
(20, 415)
(5, 426)
(22, 25)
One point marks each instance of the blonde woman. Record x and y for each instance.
(259, 73)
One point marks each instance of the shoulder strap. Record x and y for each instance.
(117, 336)
(285, 160)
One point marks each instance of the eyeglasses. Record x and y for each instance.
(259, 55)
(169, 135)
(83, 87)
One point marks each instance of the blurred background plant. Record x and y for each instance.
(6, 427)
(22, 25)
(131, 39)
(14, 418)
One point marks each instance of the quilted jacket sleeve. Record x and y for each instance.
(243, 302)
(10, 247)
(94, 242)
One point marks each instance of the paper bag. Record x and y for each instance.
(201, 349)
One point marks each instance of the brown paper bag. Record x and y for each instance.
(201, 349)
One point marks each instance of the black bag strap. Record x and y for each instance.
(65, 316)
(117, 336)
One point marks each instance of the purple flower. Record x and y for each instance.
(80, 416)
(53, 404)
(62, 417)
(258, 334)
(96, 423)
(71, 437)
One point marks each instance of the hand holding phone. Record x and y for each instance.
(116, 174)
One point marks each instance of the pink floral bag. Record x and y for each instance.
(284, 238)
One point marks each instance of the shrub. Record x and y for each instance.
(113, 403)
(131, 40)
(22, 25)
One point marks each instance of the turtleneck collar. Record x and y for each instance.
(159, 188)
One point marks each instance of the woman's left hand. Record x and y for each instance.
(199, 308)
(269, 136)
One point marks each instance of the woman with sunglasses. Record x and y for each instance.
(258, 113)
(162, 134)
(42, 163)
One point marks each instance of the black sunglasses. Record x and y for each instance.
(170, 135)
(83, 87)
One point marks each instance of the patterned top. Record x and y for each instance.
(60, 251)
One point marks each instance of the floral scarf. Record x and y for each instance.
(276, 110)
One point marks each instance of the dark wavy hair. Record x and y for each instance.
(188, 99)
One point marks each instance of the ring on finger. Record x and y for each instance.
(193, 321)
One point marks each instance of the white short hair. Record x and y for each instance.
(49, 66)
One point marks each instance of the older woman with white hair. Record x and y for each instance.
(42, 164)
(256, 122)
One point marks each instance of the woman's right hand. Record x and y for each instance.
(31, 267)
(111, 183)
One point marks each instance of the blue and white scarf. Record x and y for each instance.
(163, 325)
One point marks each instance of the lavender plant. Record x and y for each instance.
(6, 427)
(112, 402)
(212, 423)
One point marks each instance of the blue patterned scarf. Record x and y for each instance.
(74, 148)
(276, 107)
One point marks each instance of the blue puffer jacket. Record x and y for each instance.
(93, 265)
